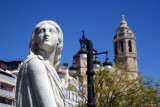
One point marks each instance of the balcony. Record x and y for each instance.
(11, 79)
(6, 105)
(7, 94)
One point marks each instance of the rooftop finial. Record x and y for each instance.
(82, 32)
(123, 17)
(123, 22)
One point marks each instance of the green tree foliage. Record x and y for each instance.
(120, 88)
(65, 64)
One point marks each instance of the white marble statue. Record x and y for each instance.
(38, 84)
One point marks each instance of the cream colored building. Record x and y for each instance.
(72, 97)
(8, 72)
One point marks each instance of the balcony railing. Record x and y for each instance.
(7, 94)
(11, 79)
(6, 105)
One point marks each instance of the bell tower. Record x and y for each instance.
(125, 47)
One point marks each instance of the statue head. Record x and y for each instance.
(56, 42)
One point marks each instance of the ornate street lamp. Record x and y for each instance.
(96, 63)
(107, 65)
(87, 52)
(90, 73)
(83, 53)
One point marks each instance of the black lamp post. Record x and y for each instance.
(87, 44)
(90, 73)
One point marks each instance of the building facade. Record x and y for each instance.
(72, 87)
(8, 77)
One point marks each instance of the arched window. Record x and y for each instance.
(121, 46)
(130, 46)
(115, 48)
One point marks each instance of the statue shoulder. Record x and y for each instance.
(35, 65)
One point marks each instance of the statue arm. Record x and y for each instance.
(40, 83)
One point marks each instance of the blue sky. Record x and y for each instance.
(99, 20)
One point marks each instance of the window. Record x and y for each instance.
(71, 95)
(68, 94)
(9, 66)
(115, 48)
(121, 46)
(66, 104)
(3, 66)
(130, 46)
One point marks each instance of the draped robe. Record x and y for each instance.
(26, 95)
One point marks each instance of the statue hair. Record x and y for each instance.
(34, 44)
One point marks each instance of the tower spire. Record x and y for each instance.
(123, 22)
(123, 17)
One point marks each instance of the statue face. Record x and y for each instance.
(47, 37)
